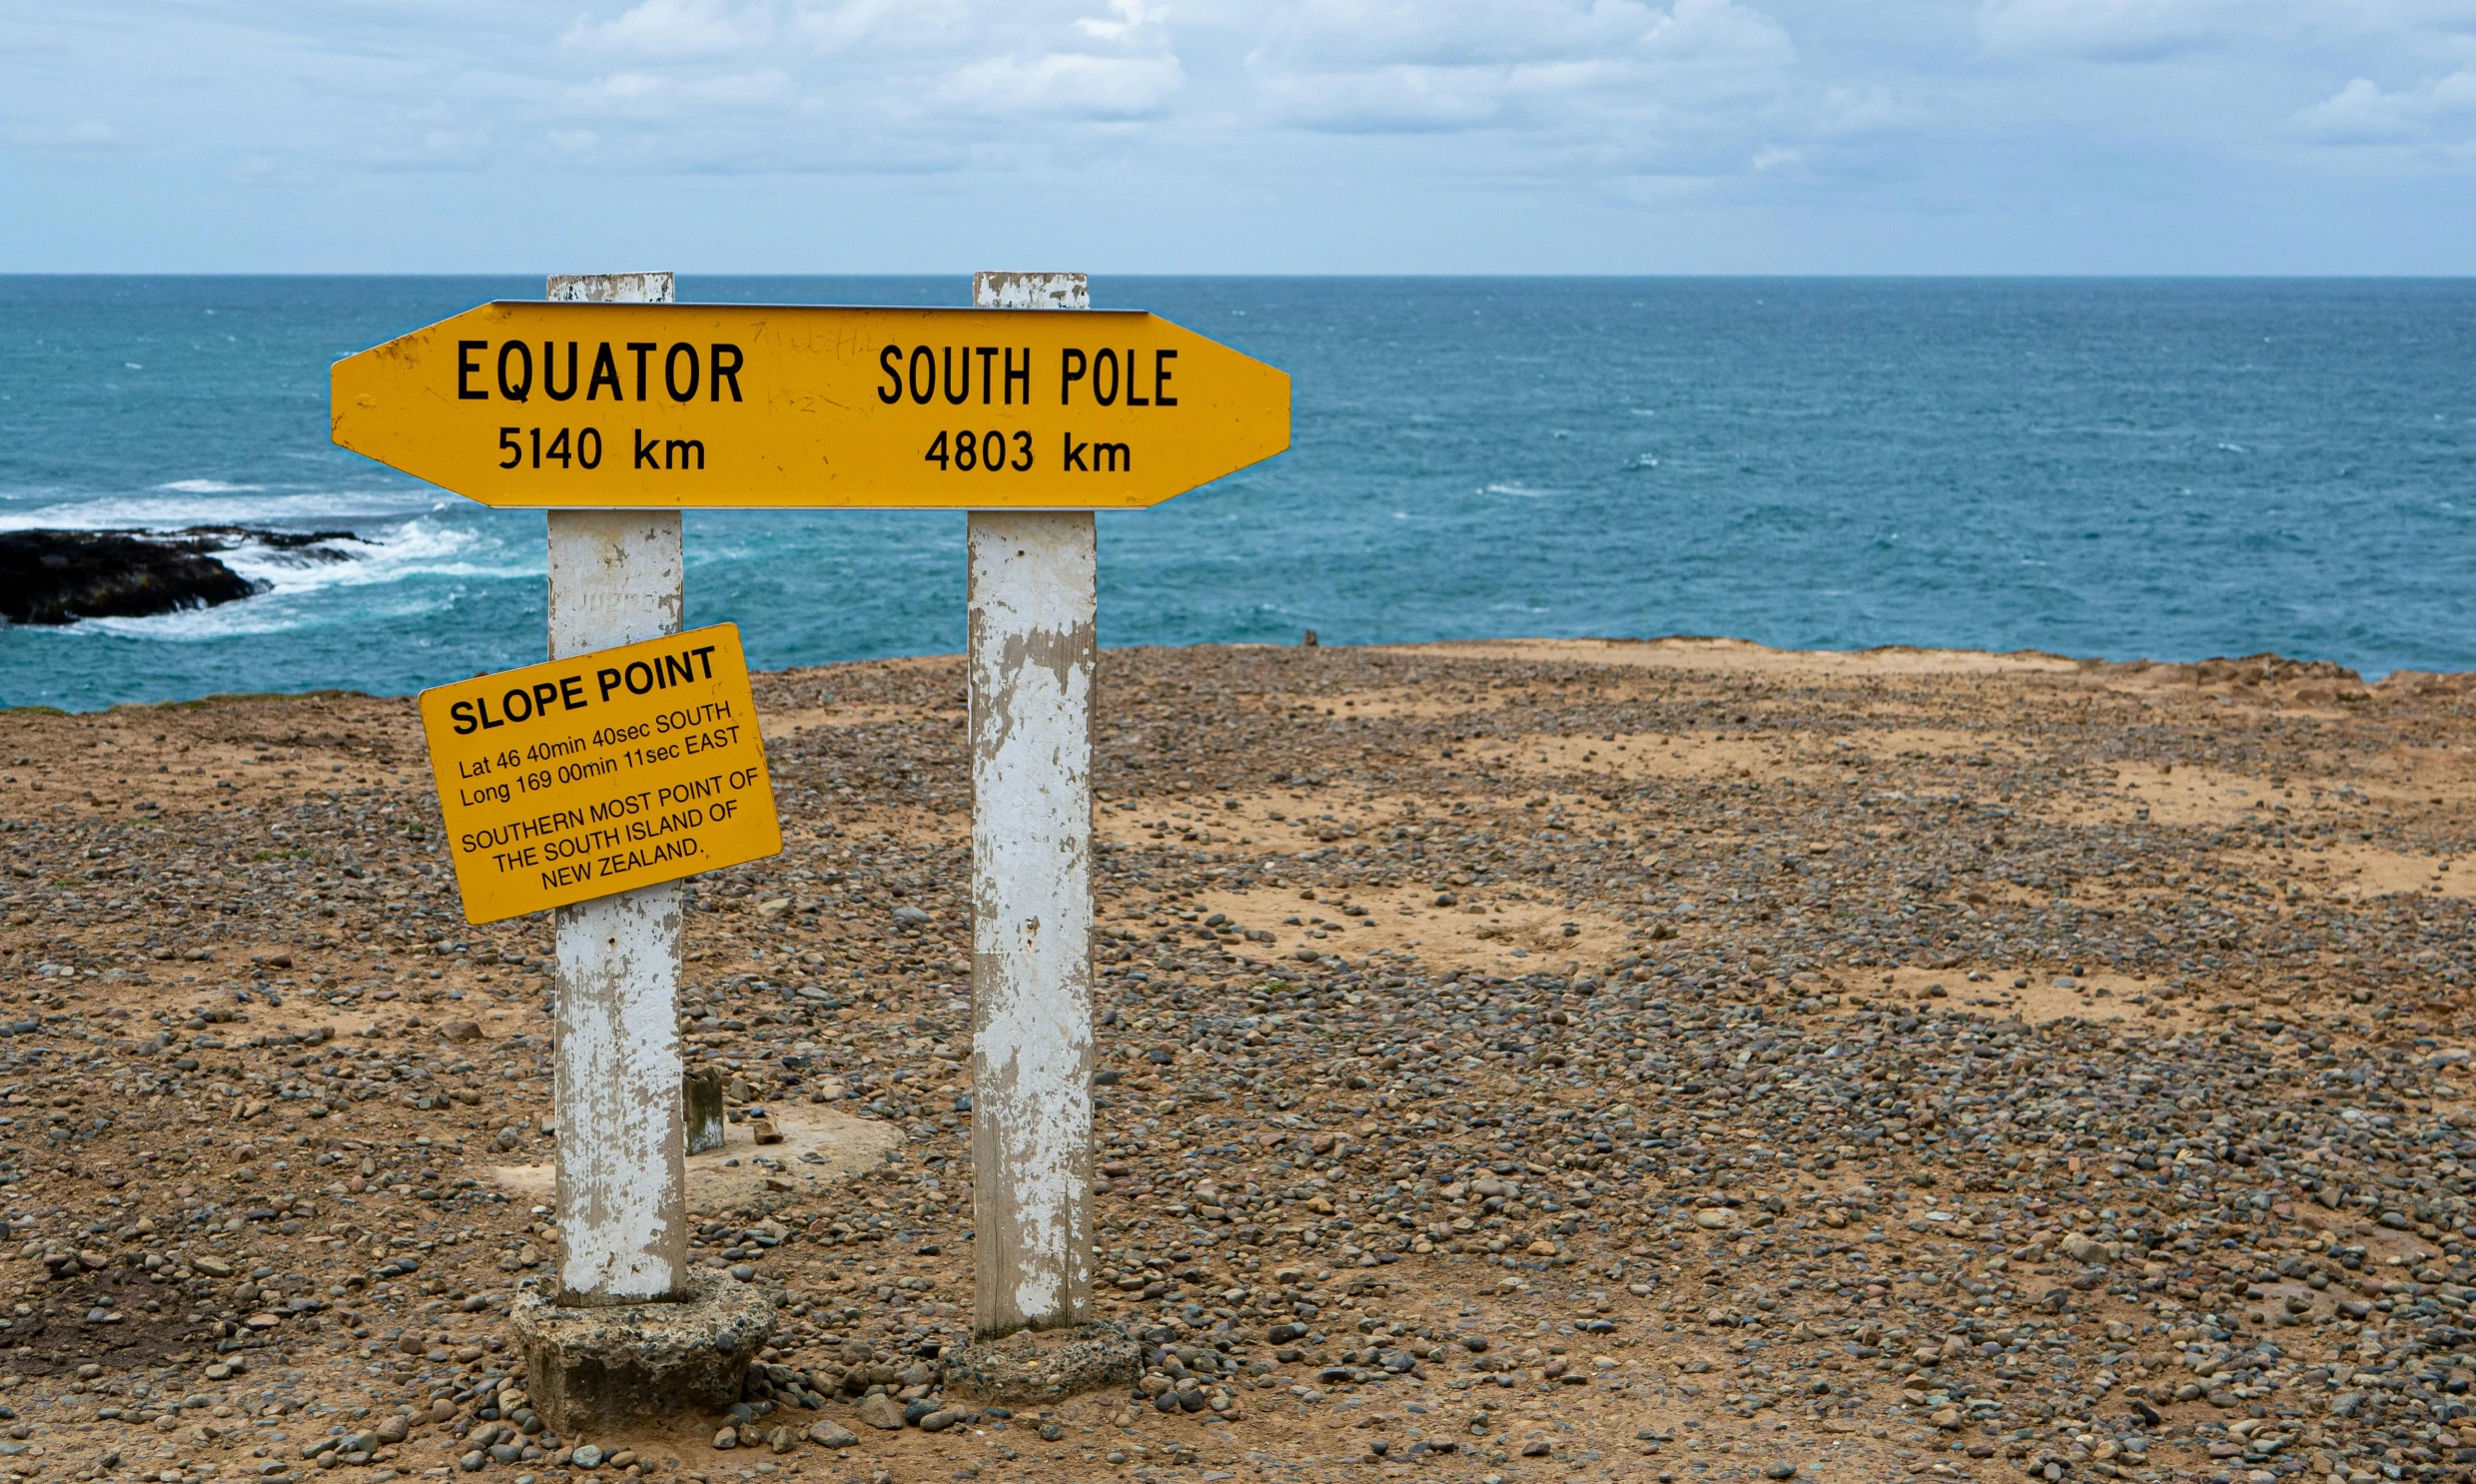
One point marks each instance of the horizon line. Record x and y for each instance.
(1979, 276)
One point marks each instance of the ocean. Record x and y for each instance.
(2124, 468)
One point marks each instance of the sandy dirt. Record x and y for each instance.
(1533, 1060)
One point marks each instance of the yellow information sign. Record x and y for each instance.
(599, 773)
(523, 403)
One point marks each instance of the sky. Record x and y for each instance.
(1240, 136)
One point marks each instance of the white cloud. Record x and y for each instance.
(2362, 113)
(1400, 99)
(1852, 111)
(83, 137)
(1067, 85)
(655, 95)
(892, 31)
(1036, 62)
(676, 29)
(1297, 133)
(1333, 34)
(1132, 16)
(1614, 66)
(2113, 30)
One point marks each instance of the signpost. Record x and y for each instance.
(600, 773)
(663, 406)
(615, 407)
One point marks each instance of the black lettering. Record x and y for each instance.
(705, 652)
(1074, 453)
(1110, 359)
(919, 393)
(670, 371)
(549, 365)
(647, 449)
(609, 680)
(637, 667)
(572, 692)
(1161, 378)
(677, 669)
(1071, 367)
(642, 349)
(543, 694)
(725, 369)
(683, 448)
(515, 391)
(1024, 375)
(1118, 455)
(466, 368)
(605, 373)
(986, 354)
(519, 696)
(954, 396)
(465, 723)
(889, 361)
(482, 704)
(1132, 400)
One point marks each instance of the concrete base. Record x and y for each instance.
(588, 1370)
(1046, 1365)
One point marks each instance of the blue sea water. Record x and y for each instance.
(2125, 468)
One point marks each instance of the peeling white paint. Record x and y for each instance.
(1032, 605)
(611, 287)
(1032, 602)
(616, 577)
(1031, 291)
(621, 1170)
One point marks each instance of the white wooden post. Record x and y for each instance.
(616, 578)
(1033, 605)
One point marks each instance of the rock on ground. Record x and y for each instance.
(1533, 1060)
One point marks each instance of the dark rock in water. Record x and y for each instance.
(61, 576)
(311, 545)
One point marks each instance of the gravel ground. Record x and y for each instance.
(1679, 1061)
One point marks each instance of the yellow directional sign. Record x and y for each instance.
(600, 773)
(524, 404)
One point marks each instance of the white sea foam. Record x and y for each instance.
(237, 506)
(1524, 492)
(295, 577)
(206, 486)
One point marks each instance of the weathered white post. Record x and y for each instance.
(616, 578)
(1033, 607)
(593, 1358)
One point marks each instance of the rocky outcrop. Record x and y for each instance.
(61, 576)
